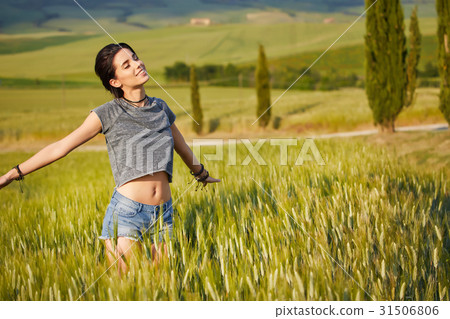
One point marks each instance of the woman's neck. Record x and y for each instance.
(135, 95)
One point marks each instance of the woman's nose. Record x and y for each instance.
(140, 64)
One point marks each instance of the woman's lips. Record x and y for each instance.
(142, 70)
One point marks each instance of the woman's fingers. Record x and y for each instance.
(212, 180)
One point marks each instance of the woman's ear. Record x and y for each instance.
(115, 83)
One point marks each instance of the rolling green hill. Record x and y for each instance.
(219, 44)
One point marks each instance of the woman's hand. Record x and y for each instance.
(210, 180)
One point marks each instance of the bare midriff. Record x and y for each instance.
(149, 189)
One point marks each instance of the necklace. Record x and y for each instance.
(134, 101)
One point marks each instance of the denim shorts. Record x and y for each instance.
(133, 220)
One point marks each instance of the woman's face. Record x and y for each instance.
(130, 71)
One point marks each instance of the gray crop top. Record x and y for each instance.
(139, 140)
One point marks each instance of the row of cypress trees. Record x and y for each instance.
(391, 69)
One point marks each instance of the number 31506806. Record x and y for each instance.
(408, 310)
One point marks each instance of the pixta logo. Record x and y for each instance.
(308, 152)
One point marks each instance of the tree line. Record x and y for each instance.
(280, 78)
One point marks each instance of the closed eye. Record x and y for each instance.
(134, 57)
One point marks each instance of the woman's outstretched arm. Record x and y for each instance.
(187, 155)
(53, 152)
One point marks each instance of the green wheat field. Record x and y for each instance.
(370, 224)
(266, 232)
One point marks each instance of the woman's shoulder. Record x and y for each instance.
(107, 105)
(157, 100)
(108, 112)
(163, 105)
(160, 102)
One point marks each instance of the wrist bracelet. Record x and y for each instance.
(202, 179)
(21, 177)
(201, 171)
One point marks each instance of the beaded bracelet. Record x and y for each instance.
(20, 178)
(202, 179)
(197, 174)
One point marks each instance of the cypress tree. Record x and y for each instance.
(195, 101)
(415, 40)
(262, 80)
(443, 10)
(385, 52)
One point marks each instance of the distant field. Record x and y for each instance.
(32, 117)
(220, 44)
(349, 59)
(342, 61)
(17, 45)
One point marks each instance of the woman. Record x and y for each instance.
(140, 135)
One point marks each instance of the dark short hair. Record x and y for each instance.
(104, 67)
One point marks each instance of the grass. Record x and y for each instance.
(385, 221)
(423, 150)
